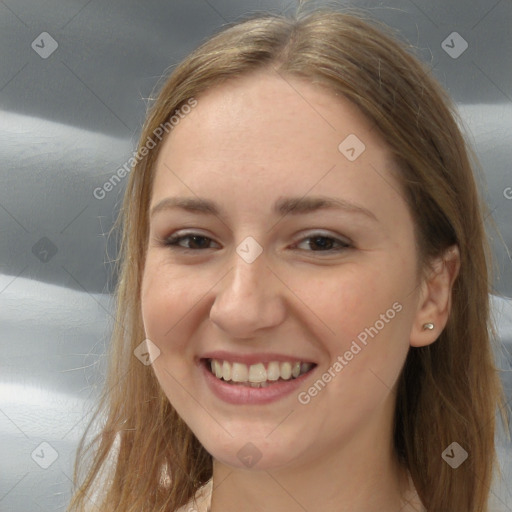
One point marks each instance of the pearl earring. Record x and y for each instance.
(428, 326)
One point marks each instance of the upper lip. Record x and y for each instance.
(254, 358)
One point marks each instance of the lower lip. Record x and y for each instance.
(238, 394)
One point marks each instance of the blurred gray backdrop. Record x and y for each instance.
(74, 77)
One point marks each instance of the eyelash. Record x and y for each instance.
(173, 241)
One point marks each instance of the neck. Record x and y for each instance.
(363, 480)
(354, 489)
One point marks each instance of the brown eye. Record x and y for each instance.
(322, 243)
(196, 241)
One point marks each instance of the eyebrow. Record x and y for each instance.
(283, 206)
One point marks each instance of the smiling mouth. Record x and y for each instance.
(257, 375)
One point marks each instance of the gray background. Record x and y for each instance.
(70, 120)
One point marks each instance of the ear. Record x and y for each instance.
(435, 298)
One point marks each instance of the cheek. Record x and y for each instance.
(351, 299)
(366, 317)
(167, 305)
(167, 297)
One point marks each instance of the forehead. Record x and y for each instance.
(265, 134)
(269, 111)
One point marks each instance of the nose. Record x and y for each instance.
(249, 299)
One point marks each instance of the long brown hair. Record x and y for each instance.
(448, 391)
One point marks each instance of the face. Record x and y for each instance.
(253, 276)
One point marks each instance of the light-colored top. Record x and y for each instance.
(202, 500)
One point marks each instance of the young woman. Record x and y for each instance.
(303, 308)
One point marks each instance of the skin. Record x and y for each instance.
(248, 143)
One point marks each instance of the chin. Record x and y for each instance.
(248, 453)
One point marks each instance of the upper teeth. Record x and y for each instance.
(240, 372)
